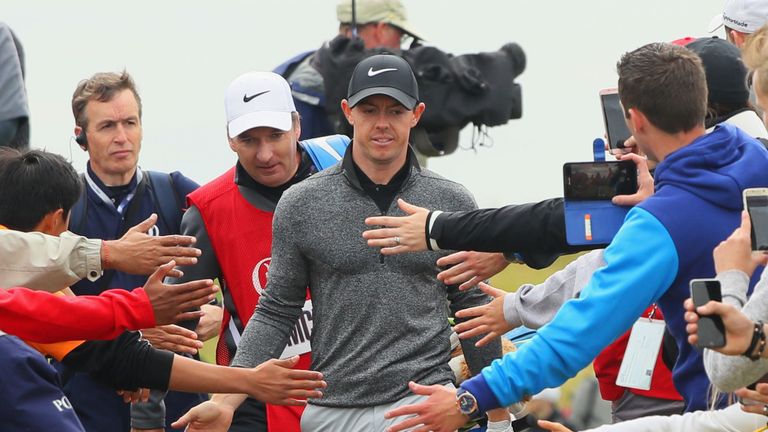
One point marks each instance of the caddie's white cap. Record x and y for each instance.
(746, 16)
(258, 99)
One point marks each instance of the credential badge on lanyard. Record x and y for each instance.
(642, 351)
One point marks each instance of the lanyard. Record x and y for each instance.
(100, 193)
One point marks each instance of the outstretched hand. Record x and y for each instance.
(275, 382)
(487, 320)
(439, 413)
(399, 233)
(139, 253)
(132, 396)
(170, 302)
(172, 338)
(553, 426)
(469, 268)
(206, 417)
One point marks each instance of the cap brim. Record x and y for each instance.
(715, 23)
(406, 28)
(273, 119)
(398, 95)
(412, 34)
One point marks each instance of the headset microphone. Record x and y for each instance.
(82, 140)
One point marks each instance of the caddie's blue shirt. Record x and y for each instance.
(664, 243)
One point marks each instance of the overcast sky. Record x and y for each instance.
(184, 53)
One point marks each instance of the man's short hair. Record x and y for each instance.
(666, 83)
(102, 87)
(35, 183)
(755, 56)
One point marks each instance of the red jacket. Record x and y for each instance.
(40, 316)
(607, 366)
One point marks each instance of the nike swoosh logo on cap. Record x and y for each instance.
(247, 98)
(372, 73)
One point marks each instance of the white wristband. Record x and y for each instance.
(432, 242)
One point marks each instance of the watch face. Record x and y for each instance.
(467, 403)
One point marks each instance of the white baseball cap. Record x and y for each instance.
(746, 16)
(258, 99)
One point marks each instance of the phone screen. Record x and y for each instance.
(615, 125)
(757, 206)
(711, 331)
(599, 180)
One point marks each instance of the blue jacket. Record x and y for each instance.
(664, 243)
(98, 407)
(103, 221)
(310, 103)
(32, 399)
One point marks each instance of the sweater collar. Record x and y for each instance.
(350, 168)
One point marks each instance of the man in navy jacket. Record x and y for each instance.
(117, 195)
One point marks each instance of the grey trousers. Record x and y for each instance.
(631, 406)
(367, 419)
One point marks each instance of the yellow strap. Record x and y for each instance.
(762, 429)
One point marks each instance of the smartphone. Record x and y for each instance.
(756, 203)
(613, 116)
(598, 180)
(711, 329)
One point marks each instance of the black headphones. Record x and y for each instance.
(82, 139)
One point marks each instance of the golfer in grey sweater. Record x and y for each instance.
(379, 321)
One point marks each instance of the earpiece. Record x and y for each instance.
(82, 140)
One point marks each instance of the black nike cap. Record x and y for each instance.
(384, 74)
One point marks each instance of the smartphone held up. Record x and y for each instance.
(616, 129)
(756, 204)
(711, 332)
(597, 181)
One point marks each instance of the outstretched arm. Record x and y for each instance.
(532, 306)
(569, 342)
(273, 382)
(44, 317)
(39, 261)
(535, 230)
(731, 419)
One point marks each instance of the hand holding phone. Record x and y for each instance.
(616, 129)
(711, 333)
(735, 253)
(756, 204)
